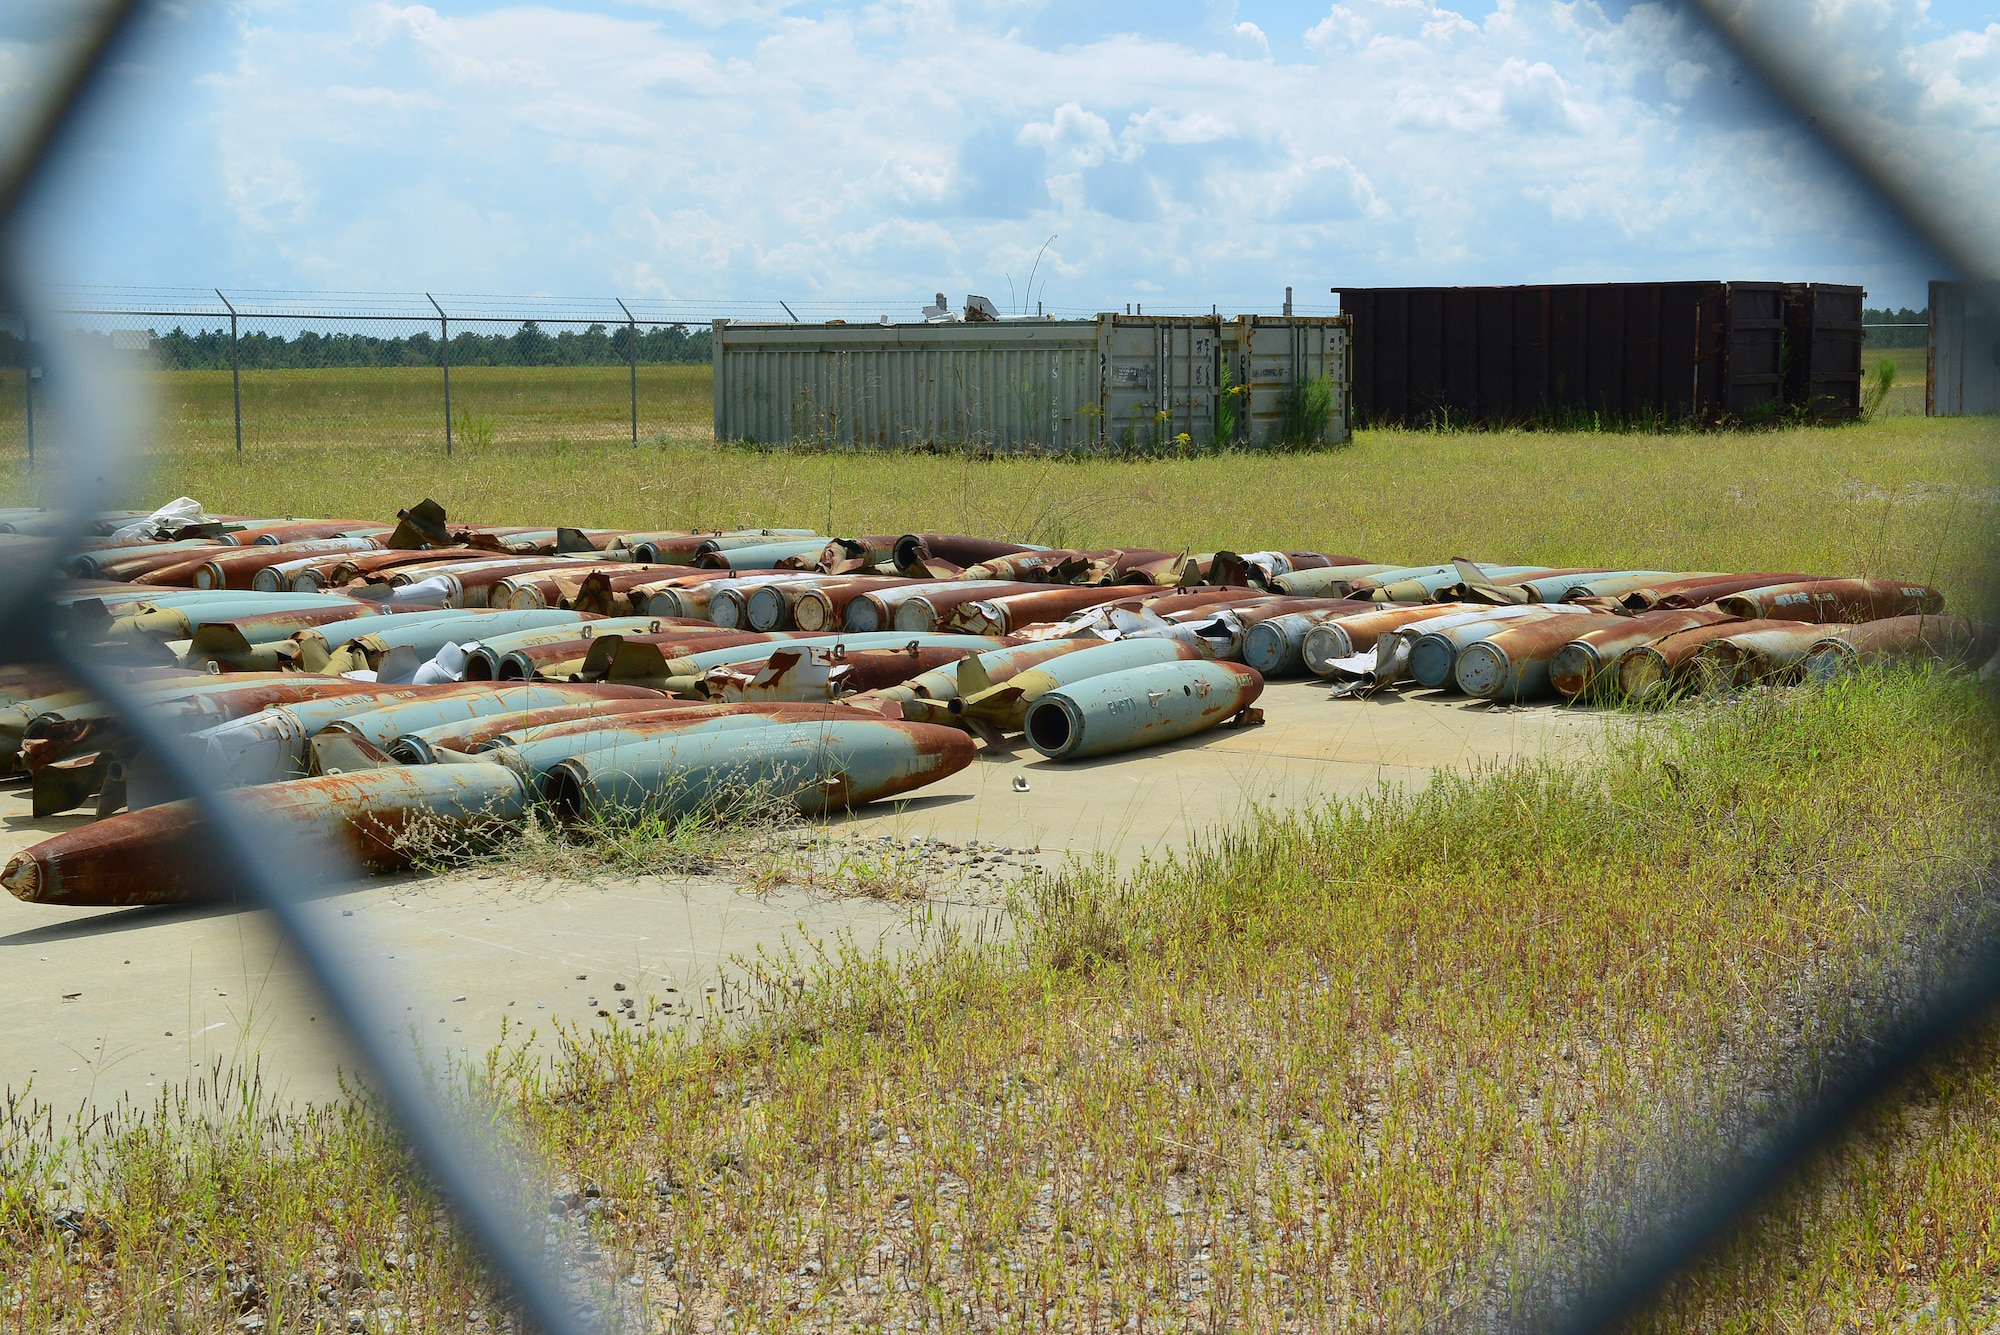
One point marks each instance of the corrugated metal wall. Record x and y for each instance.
(1964, 374)
(1571, 354)
(1497, 354)
(1132, 383)
(884, 386)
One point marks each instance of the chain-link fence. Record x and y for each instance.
(229, 369)
(271, 369)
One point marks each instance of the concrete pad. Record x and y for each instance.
(1310, 750)
(96, 1004)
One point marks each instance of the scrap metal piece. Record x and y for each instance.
(1435, 646)
(1339, 638)
(1945, 641)
(1834, 600)
(422, 525)
(238, 569)
(160, 856)
(1696, 590)
(422, 746)
(1512, 664)
(1143, 706)
(535, 752)
(812, 767)
(1003, 705)
(1674, 663)
(64, 785)
(1590, 661)
(1327, 581)
(1008, 612)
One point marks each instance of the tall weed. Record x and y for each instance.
(1356, 1068)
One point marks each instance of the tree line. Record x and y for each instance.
(1895, 338)
(530, 345)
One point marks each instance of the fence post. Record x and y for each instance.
(235, 372)
(444, 352)
(633, 326)
(28, 380)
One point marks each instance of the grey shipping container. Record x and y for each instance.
(1142, 383)
(1568, 354)
(1963, 376)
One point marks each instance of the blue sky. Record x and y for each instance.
(868, 154)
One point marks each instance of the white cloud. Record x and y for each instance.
(1072, 137)
(705, 148)
(1926, 109)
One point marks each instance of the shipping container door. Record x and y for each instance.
(1965, 348)
(1297, 376)
(1159, 380)
(1755, 359)
(1833, 369)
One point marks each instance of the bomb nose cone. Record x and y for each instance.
(23, 877)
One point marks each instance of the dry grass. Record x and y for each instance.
(1907, 398)
(403, 407)
(1336, 1070)
(1339, 1070)
(1911, 497)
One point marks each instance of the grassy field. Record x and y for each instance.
(1335, 1070)
(403, 408)
(1906, 399)
(1910, 497)
(1342, 1070)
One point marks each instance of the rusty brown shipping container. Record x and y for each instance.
(1823, 349)
(1574, 354)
